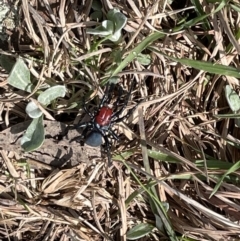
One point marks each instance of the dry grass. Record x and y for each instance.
(173, 150)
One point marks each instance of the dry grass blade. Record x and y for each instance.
(174, 173)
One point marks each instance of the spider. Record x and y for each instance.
(99, 128)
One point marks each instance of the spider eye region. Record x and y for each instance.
(104, 116)
(94, 139)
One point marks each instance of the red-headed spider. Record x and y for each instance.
(100, 125)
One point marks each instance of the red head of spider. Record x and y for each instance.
(104, 116)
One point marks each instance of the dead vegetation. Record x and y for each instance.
(172, 152)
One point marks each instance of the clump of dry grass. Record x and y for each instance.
(172, 152)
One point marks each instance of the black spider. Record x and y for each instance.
(100, 125)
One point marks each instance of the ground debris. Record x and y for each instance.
(58, 148)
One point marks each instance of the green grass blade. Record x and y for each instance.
(205, 66)
(234, 168)
(137, 50)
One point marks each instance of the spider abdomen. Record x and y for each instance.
(103, 118)
(94, 139)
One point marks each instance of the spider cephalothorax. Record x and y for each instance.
(100, 125)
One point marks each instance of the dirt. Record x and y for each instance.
(59, 148)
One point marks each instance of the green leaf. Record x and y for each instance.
(213, 164)
(144, 59)
(34, 136)
(97, 16)
(235, 7)
(162, 157)
(19, 76)
(232, 99)
(46, 97)
(33, 111)
(115, 36)
(230, 116)
(156, 206)
(112, 26)
(123, 155)
(139, 231)
(200, 11)
(119, 20)
(114, 80)
(194, 21)
(96, 5)
(6, 62)
(105, 29)
(233, 169)
(159, 222)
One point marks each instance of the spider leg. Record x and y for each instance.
(106, 96)
(110, 91)
(130, 112)
(108, 147)
(117, 113)
(85, 108)
(88, 112)
(114, 135)
(72, 127)
(107, 142)
(81, 125)
(120, 92)
(85, 131)
(85, 125)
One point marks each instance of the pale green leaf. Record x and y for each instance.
(119, 21)
(32, 110)
(139, 231)
(232, 99)
(34, 135)
(144, 59)
(46, 97)
(105, 29)
(19, 76)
